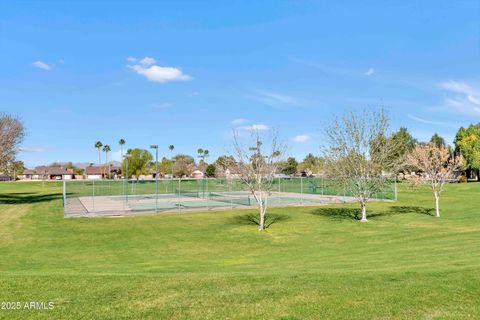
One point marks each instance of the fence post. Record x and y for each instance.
(64, 198)
(301, 190)
(206, 195)
(178, 194)
(93, 196)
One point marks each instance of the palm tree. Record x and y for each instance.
(202, 154)
(106, 149)
(171, 148)
(206, 153)
(98, 145)
(121, 142)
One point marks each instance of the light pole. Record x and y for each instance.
(155, 146)
(126, 176)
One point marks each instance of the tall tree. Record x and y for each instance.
(357, 156)
(311, 164)
(256, 163)
(99, 145)
(16, 168)
(183, 165)
(138, 162)
(202, 155)
(290, 166)
(438, 141)
(467, 143)
(436, 166)
(404, 143)
(165, 165)
(171, 148)
(210, 171)
(121, 142)
(12, 133)
(106, 149)
(222, 164)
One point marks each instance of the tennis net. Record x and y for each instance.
(241, 200)
(185, 193)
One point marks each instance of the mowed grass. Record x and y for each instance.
(311, 263)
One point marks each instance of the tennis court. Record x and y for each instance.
(120, 197)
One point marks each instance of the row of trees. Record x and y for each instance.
(364, 158)
(359, 154)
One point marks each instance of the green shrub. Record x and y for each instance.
(462, 179)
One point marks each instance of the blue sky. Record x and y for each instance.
(188, 73)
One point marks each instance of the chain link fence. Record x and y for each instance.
(120, 197)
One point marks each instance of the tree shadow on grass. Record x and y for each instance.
(356, 214)
(252, 219)
(338, 213)
(25, 197)
(412, 209)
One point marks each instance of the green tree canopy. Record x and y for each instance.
(405, 141)
(165, 165)
(210, 171)
(138, 162)
(183, 165)
(467, 141)
(289, 166)
(438, 141)
(311, 163)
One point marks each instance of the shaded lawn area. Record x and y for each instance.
(311, 263)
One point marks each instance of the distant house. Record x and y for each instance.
(5, 178)
(28, 175)
(197, 174)
(101, 172)
(48, 173)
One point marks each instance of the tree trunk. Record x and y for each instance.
(364, 212)
(437, 204)
(478, 175)
(261, 224)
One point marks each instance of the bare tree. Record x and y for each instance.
(359, 156)
(12, 133)
(256, 165)
(436, 166)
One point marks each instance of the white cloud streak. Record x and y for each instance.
(147, 68)
(255, 127)
(275, 99)
(463, 97)
(436, 123)
(302, 138)
(239, 121)
(42, 65)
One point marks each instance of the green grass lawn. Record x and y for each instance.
(311, 263)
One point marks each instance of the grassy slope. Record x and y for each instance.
(313, 263)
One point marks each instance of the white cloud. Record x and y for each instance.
(255, 127)
(370, 72)
(463, 97)
(458, 87)
(161, 74)
(438, 123)
(275, 99)
(239, 121)
(147, 68)
(132, 59)
(41, 65)
(301, 138)
(147, 61)
(33, 149)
